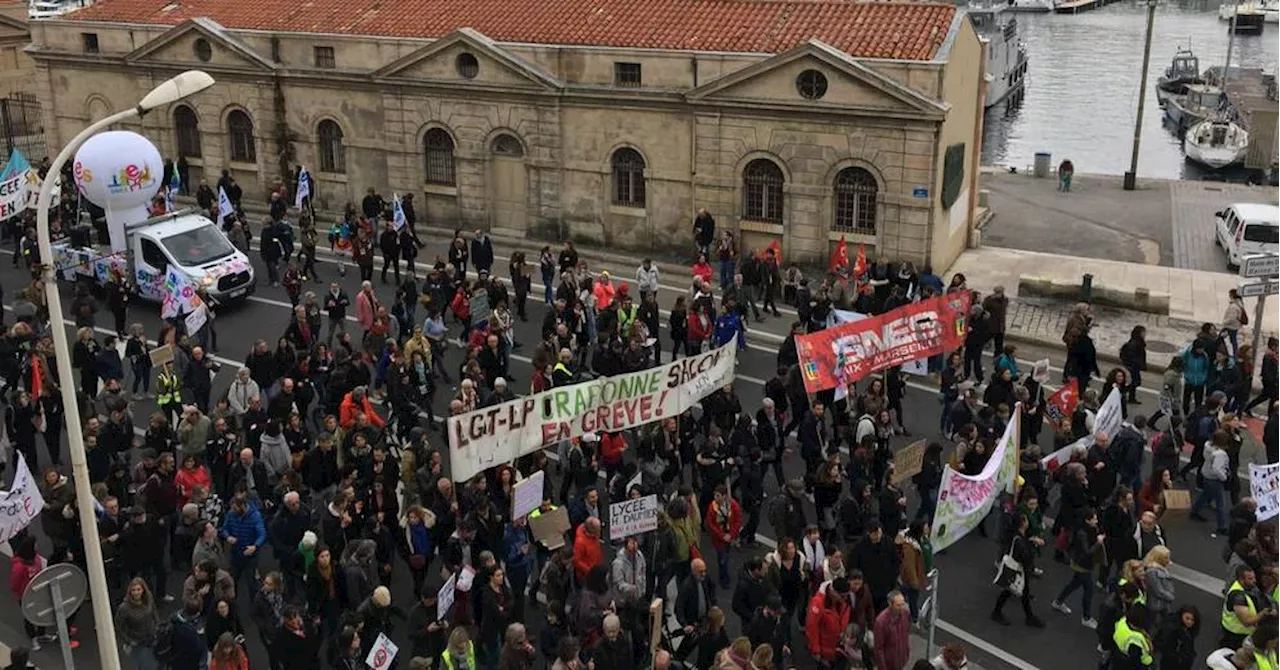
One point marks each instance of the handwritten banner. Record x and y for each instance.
(502, 433)
(21, 503)
(527, 495)
(964, 500)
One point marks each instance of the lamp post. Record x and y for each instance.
(1131, 177)
(181, 86)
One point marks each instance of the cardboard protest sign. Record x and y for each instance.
(548, 529)
(161, 355)
(632, 517)
(1177, 499)
(908, 462)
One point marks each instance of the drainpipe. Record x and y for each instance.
(975, 156)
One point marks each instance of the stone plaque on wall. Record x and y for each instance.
(952, 174)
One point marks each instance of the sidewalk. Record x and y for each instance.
(1195, 297)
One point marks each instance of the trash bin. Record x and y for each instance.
(1043, 164)
(1086, 288)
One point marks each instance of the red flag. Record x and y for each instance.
(36, 382)
(839, 257)
(859, 265)
(776, 246)
(1062, 404)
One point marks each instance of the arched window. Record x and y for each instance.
(762, 191)
(628, 178)
(507, 145)
(240, 131)
(855, 205)
(439, 150)
(332, 156)
(187, 126)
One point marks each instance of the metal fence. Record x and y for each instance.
(22, 126)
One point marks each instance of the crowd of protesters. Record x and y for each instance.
(293, 498)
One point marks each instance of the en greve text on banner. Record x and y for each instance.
(852, 350)
(495, 435)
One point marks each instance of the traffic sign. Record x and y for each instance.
(1258, 287)
(1260, 265)
(38, 600)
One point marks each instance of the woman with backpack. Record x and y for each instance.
(136, 622)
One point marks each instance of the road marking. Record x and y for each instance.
(986, 646)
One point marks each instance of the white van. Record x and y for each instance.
(1247, 229)
(185, 240)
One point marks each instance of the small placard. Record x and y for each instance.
(161, 355)
(1177, 499)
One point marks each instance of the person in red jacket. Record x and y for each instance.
(588, 552)
(699, 329)
(357, 402)
(24, 565)
(612, 447)
(828, 617)
(724, 522)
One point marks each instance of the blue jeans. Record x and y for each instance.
(144, 658)
(726, 273)
(722, 566)
(548, 292)
(1234, 336)
(1212, 492)
(1079, 580)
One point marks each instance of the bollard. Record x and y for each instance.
(1086, 288)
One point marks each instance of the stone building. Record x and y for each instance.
(610, 121)
(15, 67)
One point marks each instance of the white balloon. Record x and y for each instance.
(119, 170)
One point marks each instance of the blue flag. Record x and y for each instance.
(17, 165)
(397, 213)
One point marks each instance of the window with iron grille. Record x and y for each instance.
(187, 127)
(439, 155)
(332, 156)
(467, 65)
(811, 84)
(240, 130)
(628, 178)
(855, 205)
(626, 74)
(90, 42)
(325, 59)
(762, 191)
(507, 145)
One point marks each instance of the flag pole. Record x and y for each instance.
(1017, 453)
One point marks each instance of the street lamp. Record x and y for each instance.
(177, 88)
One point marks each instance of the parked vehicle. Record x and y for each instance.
(1245, 229)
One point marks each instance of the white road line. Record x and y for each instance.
(986, 646)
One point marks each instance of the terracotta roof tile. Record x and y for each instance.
(862, 29)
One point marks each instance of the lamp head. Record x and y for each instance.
(186, 84)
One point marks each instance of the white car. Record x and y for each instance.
(1245, 229)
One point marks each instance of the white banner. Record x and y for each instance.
(444, 599)
(500, 434)
(964, 501)
(13, 196)
(632, 517)
(1266, 489)
(1108, 420)
(196, 320)
(21, 503)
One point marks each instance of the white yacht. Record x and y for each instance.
(1216, 142)
(45, 9)
(1270, 10)
(1006, 53)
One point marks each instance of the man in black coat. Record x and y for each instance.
(752, 591)
(482, 252)
(696, 596)
(877, 557)
(371, 205)
(389, 243)
(766, 627)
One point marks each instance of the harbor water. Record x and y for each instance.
(1081, 94)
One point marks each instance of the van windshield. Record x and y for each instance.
(198, 246)
(1262, 233)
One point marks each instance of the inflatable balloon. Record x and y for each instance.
(119, 171)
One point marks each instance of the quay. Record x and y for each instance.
(1251, 95)
(1077, 6)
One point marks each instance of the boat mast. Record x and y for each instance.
(1231, 42)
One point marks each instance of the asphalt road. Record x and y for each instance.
(965, 595)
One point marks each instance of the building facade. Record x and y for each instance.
(801, 122)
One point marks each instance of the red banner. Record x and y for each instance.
(1062, 404)
(850, 351)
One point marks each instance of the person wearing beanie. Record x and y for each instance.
(829, 613)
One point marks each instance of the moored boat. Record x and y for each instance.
(1216, 143)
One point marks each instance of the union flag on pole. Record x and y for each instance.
(859, 265)
(839, 257)
(776, 246)
(1062, 404)
(37, 382)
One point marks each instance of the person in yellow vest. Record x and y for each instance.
(461, 652)
(1242, 609)
(1132, 641)
(169, 392)
(563, 374)
(1264, 646)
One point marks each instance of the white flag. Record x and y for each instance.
(304, 188)
(397, 213)
(225, 208)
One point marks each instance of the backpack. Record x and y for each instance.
(163, 649)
